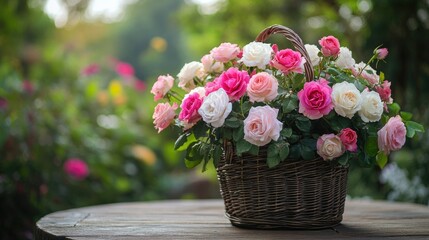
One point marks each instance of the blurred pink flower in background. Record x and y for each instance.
(76, 168)
(139, 85)
(3, 103)
(27, 87)
(124, 69)
(91, 69)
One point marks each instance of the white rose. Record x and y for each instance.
(368, 73)
(187, 74)
(345, 59)
(372, 106)
(215, 108)
(329, 146)
(257, 54)
(313, 52)
(346, 98)
(210, 65)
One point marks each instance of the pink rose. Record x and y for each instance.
(162, 86)
(329, 146)
(392, 136)
(124, 69)
(212, 86)
(349, 139)
(76, 168)
(381, 53)
(261, 125)
(225, 52)
(385, 92)
(288, 61)
(163, 115)
(210, 65)
(234, 82)
(262, 87)
(190, 106)
(315, 99)
(330, 46)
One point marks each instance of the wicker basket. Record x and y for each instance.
(295, 194)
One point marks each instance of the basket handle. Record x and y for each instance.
(296, 41)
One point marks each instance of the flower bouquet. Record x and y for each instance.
(282, 125)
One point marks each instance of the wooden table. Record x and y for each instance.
(204, 219)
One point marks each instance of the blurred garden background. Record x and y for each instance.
(76, 112)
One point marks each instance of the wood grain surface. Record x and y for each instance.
(204, 219)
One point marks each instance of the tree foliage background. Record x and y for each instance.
(51, 111)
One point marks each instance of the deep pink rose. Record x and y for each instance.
(349, 139)
(234, 82)
(162, 86)
(329, 146)
(261, 125)
(330, 46)
(190, 106)
(288, 61)
(212, 86)
(392, 136)
(225, 52)
(315, 99)
(76, 168)
(163, 115)
(385, 92)
(124, 69)
(262, 87)
(91, 69)
(382, 53)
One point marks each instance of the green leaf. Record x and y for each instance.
(394, 109)
(217, 154)
(303, 124)
(306, 152)
(298, 81)
(293, 138)
(343, 159)
(381, 77)
(200, 129)
(381, 159)
(333, 71)
(406, 116)
(227, 133)
(238, 133)
(193, 163)
(294, 152)
(286, 132)
(289, 104)
(245, 107)
(413, 127)
(371, 146)
(243, 146)
(181, 140)
(309, 142)
(273, 158)
(284, 151)
(359, 85)
(254, 150)
(232, 122)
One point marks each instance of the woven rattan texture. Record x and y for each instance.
(296, 194)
